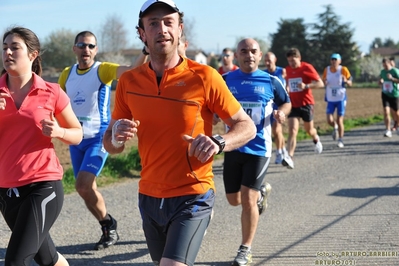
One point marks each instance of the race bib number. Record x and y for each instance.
(295, 84)
(387, 86)
(254, 110)
(335, 94)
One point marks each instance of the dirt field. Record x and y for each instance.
(361, 103)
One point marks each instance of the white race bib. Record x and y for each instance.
(335, 94)
(254, 110)
(295, 84)
(387, 86)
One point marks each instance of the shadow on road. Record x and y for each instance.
(367, 192)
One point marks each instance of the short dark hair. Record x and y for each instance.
(293, 52)
(84, 34)
(386, 59)
(141, 25)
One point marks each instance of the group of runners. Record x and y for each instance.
(170, 103)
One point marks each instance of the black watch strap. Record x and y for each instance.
(219, 140)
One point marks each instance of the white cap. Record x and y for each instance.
(150, 3)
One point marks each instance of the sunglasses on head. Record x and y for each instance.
(82, 45)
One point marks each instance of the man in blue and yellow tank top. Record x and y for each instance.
(88, 85)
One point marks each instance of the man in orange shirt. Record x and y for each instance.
(335, 77)
(169, 103)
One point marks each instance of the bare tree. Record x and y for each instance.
(113, 35)
(115, 57)
(370, 66)
(189, 32)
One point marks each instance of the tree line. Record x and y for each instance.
(316, 42)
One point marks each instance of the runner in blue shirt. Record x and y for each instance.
(245, 168)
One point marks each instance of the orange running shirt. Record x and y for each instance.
(26, 155)
(183, 103)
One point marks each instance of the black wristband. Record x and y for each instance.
(144, 51)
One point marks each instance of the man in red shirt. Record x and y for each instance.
(301, 78)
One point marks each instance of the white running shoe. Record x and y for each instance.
(318, 147)
(279, 158)
(288, 162)
(388, 134)
(340, 144)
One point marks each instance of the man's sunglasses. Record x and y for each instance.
(82, 45)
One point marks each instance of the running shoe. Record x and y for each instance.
(388, 134)
(334, 133)
(110, 235)
(340, 144)
(244, 256)
(265, 190)
(318, 147)
(288, 162)
(279, 158)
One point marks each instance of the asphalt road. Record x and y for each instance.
(337, 208)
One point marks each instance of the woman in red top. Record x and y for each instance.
(32, 112)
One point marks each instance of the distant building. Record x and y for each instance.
(198, 56)
(387, 52)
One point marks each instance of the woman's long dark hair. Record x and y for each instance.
(32, 43)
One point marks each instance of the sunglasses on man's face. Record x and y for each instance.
(333, 59)
(225, 55)
(82, 45)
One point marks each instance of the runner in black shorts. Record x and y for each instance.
(245, 168)
(31, 115)
(389, 79)
(301, 78)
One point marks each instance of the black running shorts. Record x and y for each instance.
(174, 227)
(243, 169)
(305, 112)
(30, 211)
(389, 101)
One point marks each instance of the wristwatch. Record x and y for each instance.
(219, 140)
(144, 51)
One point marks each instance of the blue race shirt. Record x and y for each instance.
(277, 73)
(257, 91)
